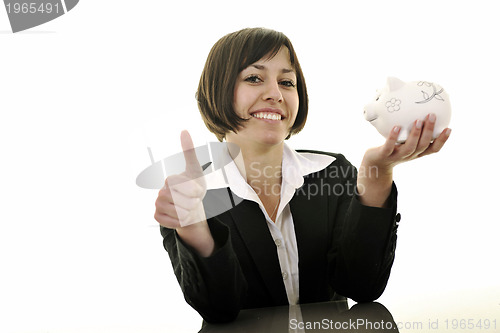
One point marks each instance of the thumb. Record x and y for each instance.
(192, 164)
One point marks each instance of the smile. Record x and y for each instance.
(267, 115)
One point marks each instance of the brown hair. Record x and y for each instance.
(227, 58)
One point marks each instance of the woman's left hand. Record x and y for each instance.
(375, 187)
(419, 143)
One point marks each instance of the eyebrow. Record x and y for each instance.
(284, 70)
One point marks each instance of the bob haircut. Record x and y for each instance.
(227, 58)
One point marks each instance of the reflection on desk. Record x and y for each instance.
(313, 317)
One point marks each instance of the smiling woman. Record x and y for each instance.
(245, 56)
(312, 230)
(266, 97)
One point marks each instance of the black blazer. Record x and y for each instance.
(344, 248)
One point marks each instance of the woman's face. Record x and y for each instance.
(266, 94)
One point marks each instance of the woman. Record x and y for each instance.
(307, 228)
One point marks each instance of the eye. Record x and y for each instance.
(288, 83)
(253, 79)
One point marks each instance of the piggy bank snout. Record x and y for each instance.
(369, 113)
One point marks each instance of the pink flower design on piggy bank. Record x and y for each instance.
(401, 103)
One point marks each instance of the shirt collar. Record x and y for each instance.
(295, 167)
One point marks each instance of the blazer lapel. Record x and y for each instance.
(253, 229)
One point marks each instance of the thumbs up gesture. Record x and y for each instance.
(179, 202)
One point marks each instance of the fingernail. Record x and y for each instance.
(448, 132)
(418, 125)
(432, 118)
(396, 129)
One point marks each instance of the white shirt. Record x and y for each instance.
(294, 167)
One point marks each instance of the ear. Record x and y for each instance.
(394, 83)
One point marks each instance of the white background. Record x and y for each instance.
(82, 97)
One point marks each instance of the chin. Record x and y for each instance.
(260, 136)
(272, 138)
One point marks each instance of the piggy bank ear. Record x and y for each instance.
(394, 83)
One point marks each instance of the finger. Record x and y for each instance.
(167, 201)
(390, 143)
(164, 204)
(167, 221)
(186, 186)
(438, 143)
(426, 135)
(165, 208)
(168, 210)
(409, 147)
(174, 216)
(178, 211)
(186, 202)
(182, 213)
(165, 193)
(192, 164)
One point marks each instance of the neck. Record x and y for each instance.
(261, 166)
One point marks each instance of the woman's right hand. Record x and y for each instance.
(180, 202)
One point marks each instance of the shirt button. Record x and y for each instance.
(285, 275)
(278, 242)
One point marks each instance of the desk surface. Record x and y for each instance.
(447, 312)
(315, 317)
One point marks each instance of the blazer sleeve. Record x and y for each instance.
(364, 243)
(213, 286)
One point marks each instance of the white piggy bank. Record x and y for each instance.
(401, 103)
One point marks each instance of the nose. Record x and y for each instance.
(273, 93)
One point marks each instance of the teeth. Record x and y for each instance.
(267, 115)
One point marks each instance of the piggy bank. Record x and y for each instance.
(402, 103)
